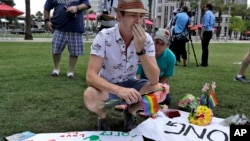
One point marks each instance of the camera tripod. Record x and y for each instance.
(190, 40)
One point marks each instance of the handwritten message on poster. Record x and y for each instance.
(133, 135)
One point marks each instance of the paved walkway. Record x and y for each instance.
(34, 40)
(194, 40)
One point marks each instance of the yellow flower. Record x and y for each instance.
(202, 116)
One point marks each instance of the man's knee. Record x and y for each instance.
(88, 97)
(92, 97)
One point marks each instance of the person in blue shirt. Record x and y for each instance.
(181, 22)
(208, 22)
(67, 25)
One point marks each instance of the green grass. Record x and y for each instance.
(33, 100)
(34, 35)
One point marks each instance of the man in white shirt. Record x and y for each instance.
(115, 55)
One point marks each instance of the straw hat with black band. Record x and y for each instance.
(131, 6)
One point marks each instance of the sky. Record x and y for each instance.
(35, 5)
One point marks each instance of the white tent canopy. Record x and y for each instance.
(4, 21)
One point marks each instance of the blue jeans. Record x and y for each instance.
(167, 100)
(131, 83)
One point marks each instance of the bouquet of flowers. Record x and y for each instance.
(188, 103)
(201, 116)
(208, 97)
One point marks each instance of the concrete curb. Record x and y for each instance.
(90, 40)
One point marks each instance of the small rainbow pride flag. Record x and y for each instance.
(149, 104)
(212, 100)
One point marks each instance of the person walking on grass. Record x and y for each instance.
(208, 22)
(115, 55)
(67, 25)
(244, 65)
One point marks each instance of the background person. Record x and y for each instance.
(111, 72)
(170, 25)
(165, 60)
(106, 14)
(67, 26)
(181, 22)
(244, 65)
(208, 22)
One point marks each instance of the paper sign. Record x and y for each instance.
(163, 128)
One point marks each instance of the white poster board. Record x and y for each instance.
(163, 128)
(133, 135)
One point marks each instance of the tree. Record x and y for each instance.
(8, 2)
(28, 35)
(149, 9)
(238, 10)
(220, 7)
(39, 16)
(247, 24)
(237, 25)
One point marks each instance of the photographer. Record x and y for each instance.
(178, 45)
(106, 15)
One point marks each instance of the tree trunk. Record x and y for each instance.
(149, 9)
(218, 32)
(28, 35)
(149, 28)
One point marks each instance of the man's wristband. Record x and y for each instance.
(142, 52)
(46, 20)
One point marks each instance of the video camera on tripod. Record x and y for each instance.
(190, 13)
(104, 11)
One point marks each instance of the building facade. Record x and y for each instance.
(163, 13)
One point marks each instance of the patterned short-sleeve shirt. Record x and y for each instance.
(120, 64)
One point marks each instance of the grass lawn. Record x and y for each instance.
(33, 100)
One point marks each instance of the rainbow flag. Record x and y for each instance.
(149, 104)
(212, 100)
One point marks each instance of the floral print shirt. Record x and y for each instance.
(120, 63)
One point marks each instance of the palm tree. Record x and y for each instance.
(219, 6)
(39, 16)
(243, 11)
(28, 35)
(8, 2)
(150, 9)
